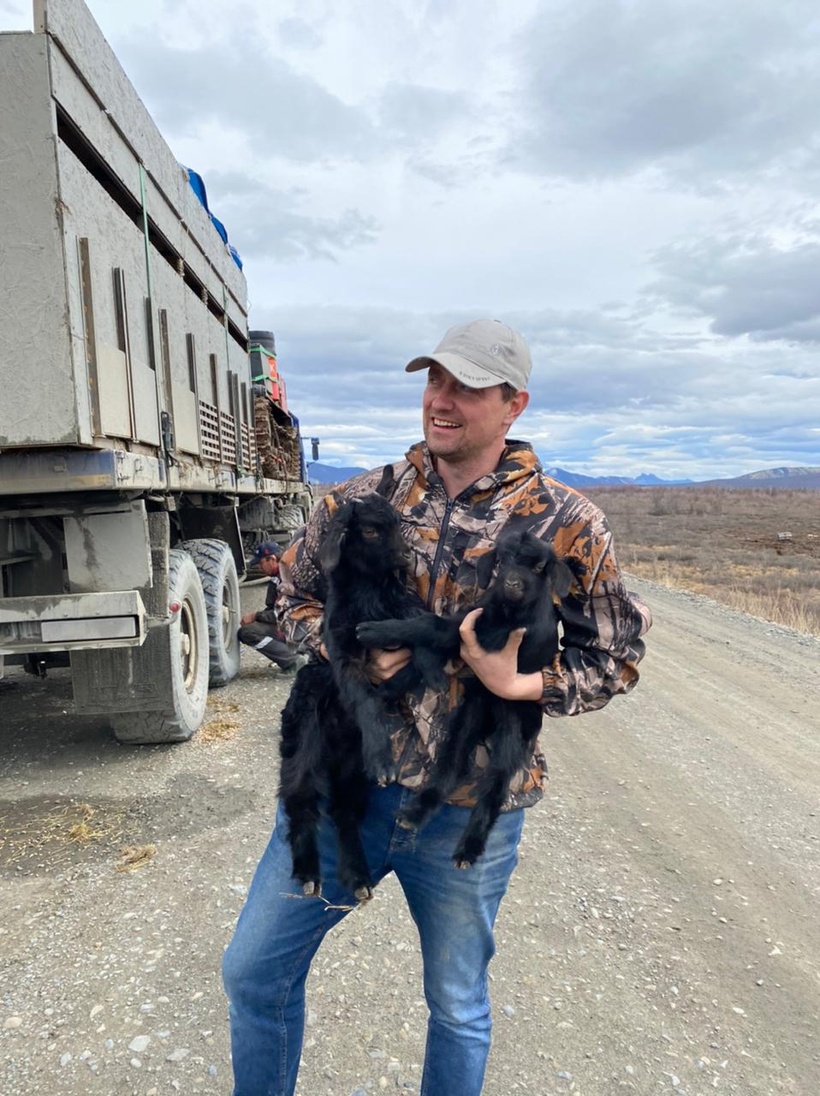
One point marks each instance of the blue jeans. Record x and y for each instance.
(267, 962)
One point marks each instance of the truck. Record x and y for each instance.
(146, 444)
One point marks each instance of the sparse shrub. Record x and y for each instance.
(723, 543)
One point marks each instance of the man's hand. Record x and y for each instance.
(498, 670)
(382, 665)
(248, 618)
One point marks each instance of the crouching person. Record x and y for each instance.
(260, 630)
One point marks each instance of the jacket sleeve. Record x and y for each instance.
(603, 625)
(301, 595)
(269, 615)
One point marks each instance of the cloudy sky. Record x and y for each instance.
(632, 183)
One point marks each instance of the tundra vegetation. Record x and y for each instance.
(756, 550)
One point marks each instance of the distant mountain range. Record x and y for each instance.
(330, 473)
(576, 479)
(782, 478)
(785, 479)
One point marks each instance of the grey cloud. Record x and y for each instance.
(422, 113)
(263, 221)
(745, 286)
(243, 88)
(299, 34)
(694, 89)
(289, 114)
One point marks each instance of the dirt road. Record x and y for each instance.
(662, 932)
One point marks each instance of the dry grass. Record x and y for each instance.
(728, 544)
(222, 728)
(56, 829)
(217, 730)
(133, 857)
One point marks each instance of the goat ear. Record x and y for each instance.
(562, 577)
(484, 568)
(330, 551)
(385, 484)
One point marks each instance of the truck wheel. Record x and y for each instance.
(186, 683)
(289, 519)
(217, 571)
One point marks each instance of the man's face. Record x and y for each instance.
(462, 424)
(269, 566)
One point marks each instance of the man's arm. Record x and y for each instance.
(301, 594)
(603, 628)
(268, 615)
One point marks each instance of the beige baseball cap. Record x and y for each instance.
(480, 354)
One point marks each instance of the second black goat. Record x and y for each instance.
(335, 738)
(521, 596)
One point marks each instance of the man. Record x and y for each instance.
(455, 493)
(261, 630)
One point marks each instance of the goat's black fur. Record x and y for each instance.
(334, 733)
(365, 559)
(321, 756)
(529, 574)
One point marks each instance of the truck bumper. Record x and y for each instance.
(71, 622)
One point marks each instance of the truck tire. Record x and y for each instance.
(288, 520)
(186, 683)
(220, 584)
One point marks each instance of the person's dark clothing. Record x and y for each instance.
(265, 635)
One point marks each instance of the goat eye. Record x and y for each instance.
(368, 533)
(538, 569)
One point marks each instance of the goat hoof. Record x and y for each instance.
(406, 823)
(462, 865)
(312, 889)
(363, 893)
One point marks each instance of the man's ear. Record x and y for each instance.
(516, 406)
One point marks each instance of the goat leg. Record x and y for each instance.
(425, 630)
(377, 750)
(510, 744)
(482, 819)
(303, 816)
(449, 769)
(300, 752)
(351, 871)
(363, 706)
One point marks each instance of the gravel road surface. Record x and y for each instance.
(661, 934)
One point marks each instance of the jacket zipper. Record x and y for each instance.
(445, 525)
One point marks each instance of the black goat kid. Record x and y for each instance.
(521, 596)
(335, 737)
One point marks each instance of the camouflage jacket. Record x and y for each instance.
(602, 622)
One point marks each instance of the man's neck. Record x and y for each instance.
(458, 476)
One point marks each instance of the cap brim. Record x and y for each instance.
(462, 369)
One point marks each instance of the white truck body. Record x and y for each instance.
(127, 421)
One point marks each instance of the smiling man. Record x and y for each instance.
(475, 392)
(455, 493)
